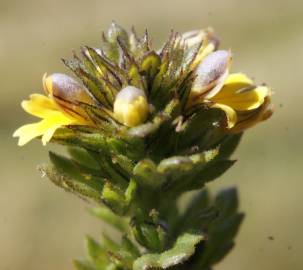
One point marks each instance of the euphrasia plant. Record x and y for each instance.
(142, 127)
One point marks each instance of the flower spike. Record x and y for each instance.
(144, 126)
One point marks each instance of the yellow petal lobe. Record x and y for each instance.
(239, 93)
(45, 127)
(52, 118)
(230, 113)
(39, 105)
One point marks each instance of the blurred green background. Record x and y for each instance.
(42, 227)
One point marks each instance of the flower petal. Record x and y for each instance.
(45, 127)
(49, 134)
(239, 93)
(238, 78)
(39, 105)
(230, 113)
(249, 119)
(211, 74)
(30, 131)
(205, 39)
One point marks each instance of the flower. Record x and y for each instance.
(243, 102)
(127, 82)
(57, 109)
(131, 107)
(205, 40)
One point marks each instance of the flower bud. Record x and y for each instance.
(67, 93)
(131, 107)
(196, 37)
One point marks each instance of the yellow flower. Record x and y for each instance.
(240, 99)
(131, 107)
(57, 110)
(244, 103)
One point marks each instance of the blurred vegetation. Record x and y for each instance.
(41, 227)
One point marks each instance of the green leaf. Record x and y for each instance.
(114, 198)
(66, 166)
(126, 255)
(111, 218)
(196, 131)
(93, 141)
(109, 244)
(150, 64)
(135, 77)
(146, 174)
(95, 251)
(175, 164)
(119, 76)
(62, 180)
(110, 44)
(182, 250)
(222, 231)
(116, 31)
(124, 162)
(129, 246)
(200, 175)
(191, 216)
(228, 145)
(149, 235)
(83, 157)
(130, 192)
(215, 169)
(186, 173)
(227, 201)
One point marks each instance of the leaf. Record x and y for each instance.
(109, 244)
(130, 192)
(124, 255)
(95, 251)
(118, 76)
(116, 31)
(117, 200)
(186, 173)
(149, 128)
(197, 128)
(175, 164)
(150, 64)
(228, 145)
(124, 162)
(129, 246)
(92, 83)
(135, 77)
(66, 166)
(146, 174)
(222, 231)
(89, 141)
(83, 157)
(110, 217)
(215, 169)
(114, 198)
(191, 215)
(182, 250)
(62, 180)
(149, 235)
